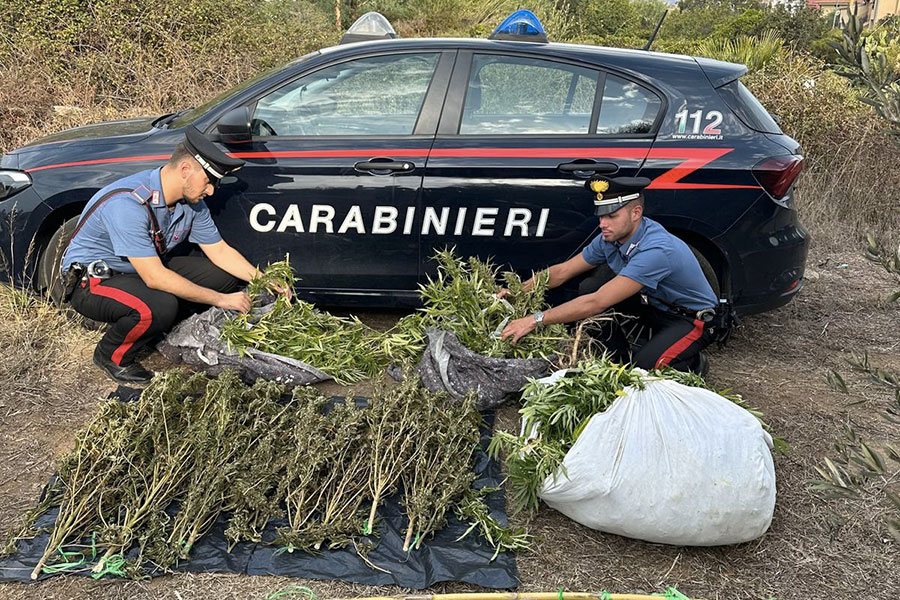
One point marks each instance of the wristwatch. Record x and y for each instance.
(538, 318)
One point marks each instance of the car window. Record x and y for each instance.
(517, 95)
(189, 116)
(379, 95)
(626, 108)
(748, 108)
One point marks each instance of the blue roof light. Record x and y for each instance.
(522, 26)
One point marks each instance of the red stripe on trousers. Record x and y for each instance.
(681, 345)
(131, 302)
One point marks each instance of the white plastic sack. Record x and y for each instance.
(672, 464)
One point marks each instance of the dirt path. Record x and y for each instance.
(778, 361)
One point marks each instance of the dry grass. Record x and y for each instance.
(28, 97)
(34, 103)
(49, 386)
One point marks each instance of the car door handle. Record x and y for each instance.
(383, 167)
(594, 167)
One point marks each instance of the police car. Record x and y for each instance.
(363, 158)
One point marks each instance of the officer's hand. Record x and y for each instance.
(518, 328)
(238, 301)
(283, 290)
(502, 292)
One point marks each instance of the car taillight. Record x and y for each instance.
(777, 175)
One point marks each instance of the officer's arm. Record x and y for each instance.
(563, 272)
(229, 260)
(158, 277)
(613, 292)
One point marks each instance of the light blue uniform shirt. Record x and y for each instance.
(120, 227)
(660, 262)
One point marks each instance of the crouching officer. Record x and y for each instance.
(116, 267)
(654, 277)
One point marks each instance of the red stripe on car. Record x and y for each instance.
(100, 161)
(415, 152)
(692, 159)
(539, 152)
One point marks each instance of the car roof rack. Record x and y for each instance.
(521, 26)
(370, 26)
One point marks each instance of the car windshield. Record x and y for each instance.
(191, 115)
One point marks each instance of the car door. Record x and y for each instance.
(519, 136)
(334, 170)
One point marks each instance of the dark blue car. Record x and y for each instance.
(363, 158)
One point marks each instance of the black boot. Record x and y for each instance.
(701, 365)
(130, 373)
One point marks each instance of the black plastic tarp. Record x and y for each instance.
(440, 558)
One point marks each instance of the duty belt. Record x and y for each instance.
(705, 315)
(79, 271)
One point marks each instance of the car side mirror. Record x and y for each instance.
(234, 126)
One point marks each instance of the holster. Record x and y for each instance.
(723, 322)
(71, 279)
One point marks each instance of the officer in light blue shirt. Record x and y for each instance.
(647, 264)
(118, 229)
(118, 268)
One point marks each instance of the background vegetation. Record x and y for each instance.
(70, 62)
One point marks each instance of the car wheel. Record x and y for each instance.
(708, 271)
(48, 281)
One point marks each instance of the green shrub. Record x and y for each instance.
(802, 28)
(851, 180)
(124, 49)
(747, 23)
(752, 51)
(107, 58)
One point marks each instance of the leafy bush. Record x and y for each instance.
(142, 56)
(755, 52)
(802, 28)
(851, 181)
(872, 60)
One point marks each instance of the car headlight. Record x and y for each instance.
(13, 182)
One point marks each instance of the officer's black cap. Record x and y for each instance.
(612, 193)
(215, 163)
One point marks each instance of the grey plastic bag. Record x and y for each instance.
(198, 342)
(448, 366)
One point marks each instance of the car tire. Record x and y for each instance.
(708, 271)
(48, 281)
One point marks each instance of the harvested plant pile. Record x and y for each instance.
(158, 472)
(554, 415)
(460, 299)
(343, 347)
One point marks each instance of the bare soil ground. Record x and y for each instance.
(778, 361)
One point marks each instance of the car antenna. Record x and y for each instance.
(655, 31)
